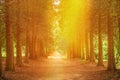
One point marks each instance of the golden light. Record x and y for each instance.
(56, 2)
(70, 19)
(73, 17)
(57, 55)
(56, 27)
(74, 20)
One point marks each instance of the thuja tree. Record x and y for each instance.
(9, 39)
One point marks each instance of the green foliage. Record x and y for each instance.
(117, 46)
(104, 45)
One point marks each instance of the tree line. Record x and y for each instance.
(99, 40)
(27, 23)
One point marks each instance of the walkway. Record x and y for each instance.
(58, 70)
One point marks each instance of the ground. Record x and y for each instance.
(53, 69)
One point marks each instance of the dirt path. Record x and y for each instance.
(58, 70)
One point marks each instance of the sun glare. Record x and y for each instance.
(69, 17)
(56, 55)
(56, 2)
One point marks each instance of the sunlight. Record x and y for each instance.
(56, 30)
(65, 26)
(72, 17)
(59, 39)
(56, 2)
(74, 20)
(57, 55)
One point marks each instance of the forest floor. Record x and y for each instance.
(50, 69)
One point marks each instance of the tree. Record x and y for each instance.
(18, 36)
(0, 51)
(118, 16)
(92, 59)
(91, 31)
(92, 56)
(27, 33)
(87, 45)
(9, 40)
(111, 57)
(82, 50)
(1, 40)
(100, 58)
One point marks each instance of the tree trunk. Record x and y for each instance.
(29, 44)
(119, 38)
(80, 54)
(100, 55)
(118, 15)
(27, 48)
(111, 58)
(87, 46)
(0, 54)
(19, 53)
(9, 41)
(82, 51)
(27, 34)
(92, 57)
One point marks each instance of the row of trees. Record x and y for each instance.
(27, 29)
(27, 23)
(100, 35)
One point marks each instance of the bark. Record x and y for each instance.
(27, 48)
(82, 51)
(111, 57)
(30, 47)
(9, 41)
(118, 15)
(33, 48)
(18, 37)
(87, 46)
(19, 53)
(79, 46)
(119, 27)
(100, 54)
(92, 57)
(27, 34)
(0, 55)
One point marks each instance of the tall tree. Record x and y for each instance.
(87, 45)
(27, 33)
(111, 57)
(118, 16)
(91, 32)
(18, 35)
(9, 39)
(0, 51)
(100, 58)
(92, 57)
